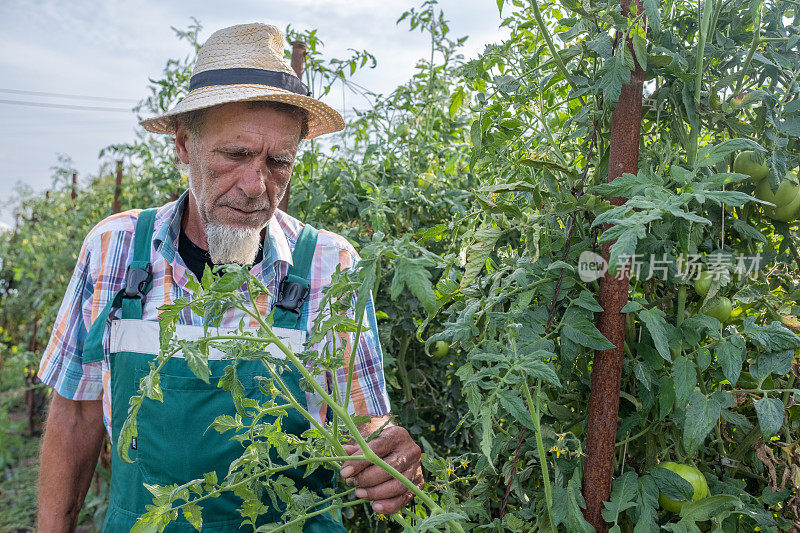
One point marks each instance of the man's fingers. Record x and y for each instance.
(392, 505)
(350, 469)
(394, 444)
(372, 476)
(388, 440)
(390, 488)
(352, 449)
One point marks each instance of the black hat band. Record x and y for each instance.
(256, 76)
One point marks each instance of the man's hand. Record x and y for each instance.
(395, 446)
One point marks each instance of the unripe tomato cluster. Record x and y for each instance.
(786, 198)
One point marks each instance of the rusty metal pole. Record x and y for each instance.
(298, 60)
(626, 122)
(117, 206)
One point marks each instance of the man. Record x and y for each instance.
(238, 131)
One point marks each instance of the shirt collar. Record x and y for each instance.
(276, 244)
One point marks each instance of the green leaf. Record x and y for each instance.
(587, 301)
(513, 404)
(770, 415)
(129, 429)
(234, 278)
(225, 423)
(487, 432)
(193, 514)
(710, 507)
(730, 354)
(626, 186)
(434, 521)
(196, 359)
(666, 396)
(640, 50)
(779, 363)
(645, 513)
(684, 376)
(455, 102)
(582, 331)
(615, 73)
(538, 369)
(656, 324)
(672, 485)
(773, 337)
(702, 415)
(623, 494)
(737, 419)
(475, 134)
(710, 154)
(413, 273)
(601, 45)
(652, 9)
(631, 307)
(478, 252)
(149, 385)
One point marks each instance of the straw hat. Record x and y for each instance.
(242, 63)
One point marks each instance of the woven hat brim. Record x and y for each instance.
(322, 118)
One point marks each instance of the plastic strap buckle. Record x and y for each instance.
(137, 280)
(292, 296)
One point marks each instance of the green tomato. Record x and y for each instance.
(719, 308)
(785, 195)
(426, 179)
(787, 213)
(691, 474)
(745, 163)
(403, 130)
(703, 283)
(439, 350)
(333, 211)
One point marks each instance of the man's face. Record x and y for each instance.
(240, 164)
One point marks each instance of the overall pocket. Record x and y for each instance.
(175, 441)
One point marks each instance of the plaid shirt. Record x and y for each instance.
(100, 273)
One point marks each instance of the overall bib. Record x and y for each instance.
(174, 444)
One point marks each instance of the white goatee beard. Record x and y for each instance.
(232, 244)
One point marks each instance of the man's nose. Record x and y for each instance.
(252, 181)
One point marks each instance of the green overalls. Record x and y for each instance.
(173, 444)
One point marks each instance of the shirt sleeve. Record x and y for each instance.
(62, 364)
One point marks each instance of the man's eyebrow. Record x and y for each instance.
(282, 158)
(279, 158)
(235, 149)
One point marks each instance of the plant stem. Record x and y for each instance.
(753, 46)
(701, 45)
(348, 421)
(681, 310)
(534, 411)
(401, 367)
(636, 436)
(303, 518)
(549, 40)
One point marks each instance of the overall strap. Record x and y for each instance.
(294, 288)
(138, 281)
(139, 278)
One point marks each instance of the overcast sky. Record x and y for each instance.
(109, 49)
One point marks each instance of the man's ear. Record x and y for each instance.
(182, 140)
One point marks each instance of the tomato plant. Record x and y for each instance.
(472, 192)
